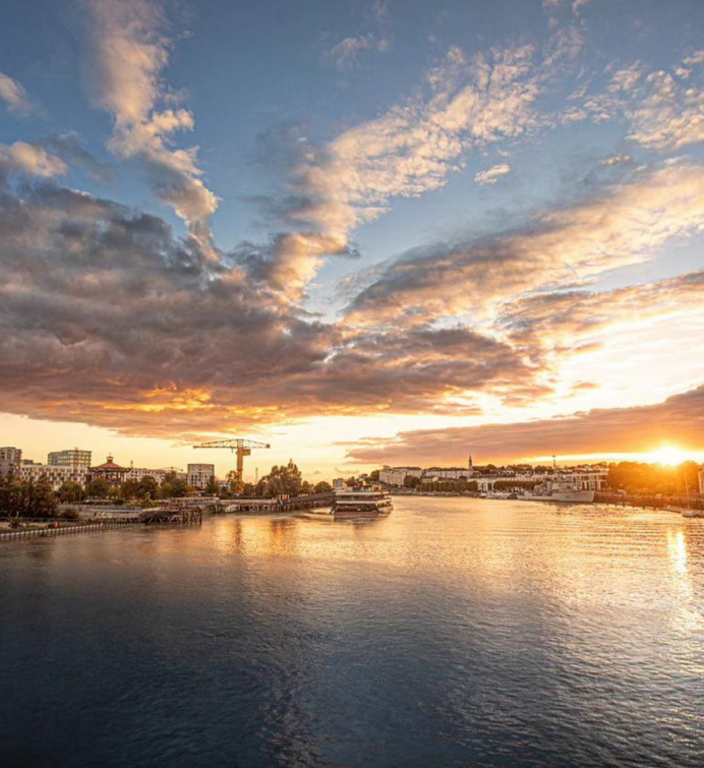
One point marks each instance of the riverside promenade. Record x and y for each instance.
(45, 529)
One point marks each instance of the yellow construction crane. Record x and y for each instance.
(241, 445)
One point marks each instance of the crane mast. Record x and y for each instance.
(241, 445)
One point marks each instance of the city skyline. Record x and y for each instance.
(414, 234)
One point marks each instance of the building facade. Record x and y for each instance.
(73, 457)
(701, 481)
(56, 475)
(110, 471)
(588, 479)
(138, 473)
(398, 475)
(448, 473)
(199, 475)
(10, 460)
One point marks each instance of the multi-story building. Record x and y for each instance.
(588, 478)
(138, 473)
(398, 475)
(701, 480)
(448, 473)
(10, 460)
(56, 475)
(72, 457)
(199, 475)
(11, 455)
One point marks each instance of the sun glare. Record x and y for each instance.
(669, 455)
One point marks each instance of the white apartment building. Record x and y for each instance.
(56, 475)
(398, 475)
(72, 457)
(138, 473)
(588, 478)
(199, 475)
(448, 473)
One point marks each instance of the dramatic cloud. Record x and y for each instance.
(663, 109)
(29, 158)
(567, 320)
(106, 317)
(15, 96)
(616, 430)
(128, 51)
(625, 224)
(492, 175)
(412, 148)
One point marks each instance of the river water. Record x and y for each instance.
(455, 632)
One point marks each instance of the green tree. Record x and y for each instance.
(213, 487)
(11, 496)
(44, 503)
(283, 480)
(97, 488)
(322, 487)
(147, 488)
(129, 490)
(70, 492)
(234, 484)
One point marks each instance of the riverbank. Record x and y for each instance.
(49, 531)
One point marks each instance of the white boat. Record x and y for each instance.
(555, 489)
(370, 501)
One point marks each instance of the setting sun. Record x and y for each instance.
(669, 455)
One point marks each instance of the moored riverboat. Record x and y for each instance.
(361, 502)
(559, 490)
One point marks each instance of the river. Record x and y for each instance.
(455, 632)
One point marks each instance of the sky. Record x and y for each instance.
(365, 233)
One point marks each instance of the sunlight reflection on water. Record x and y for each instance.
(453, 632)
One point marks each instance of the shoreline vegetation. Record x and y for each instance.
(34, 506)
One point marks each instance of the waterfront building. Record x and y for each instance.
(139, 473)
(72, 457)
(398, 475)
(56, 475)
(700, 475)
(587, 478)
(448, 473)
(338, 483)
(199, 475)
(10, 460)
(11, 455)
(110, 471)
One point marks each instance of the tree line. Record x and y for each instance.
(36, 498)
